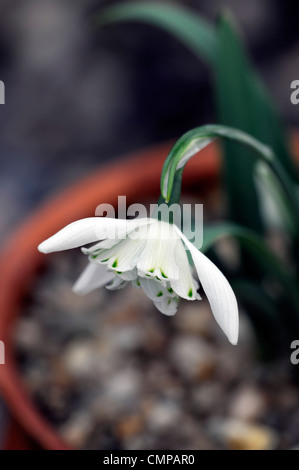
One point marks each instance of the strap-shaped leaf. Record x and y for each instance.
(254, 244)
(243, 102)
(193, 141)
(271, 328)
(193, 31)
(274, 205)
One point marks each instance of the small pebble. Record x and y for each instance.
(193, 358)
(238, 435)
(248, 404)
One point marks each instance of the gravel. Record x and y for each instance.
(108, 371)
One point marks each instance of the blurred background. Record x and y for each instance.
(77, 95)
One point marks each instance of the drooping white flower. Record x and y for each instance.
(152, 255)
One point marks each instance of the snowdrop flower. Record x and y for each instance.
(150, 254)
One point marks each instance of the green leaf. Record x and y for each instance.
(197, 34)
(254, 244)
(264, 315)
(242, 102)
(270, 125)
(274, 204)
(194, 140)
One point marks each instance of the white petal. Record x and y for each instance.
(218, 291)
(116, 283)
(123, 256)
(132, 234)
(154, 289)
(102, 245)
(168, 305)
(93, 276)
(157, 258)
(185, 287)
(128, 275)
(89, 230)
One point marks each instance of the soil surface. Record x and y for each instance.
(108, 371)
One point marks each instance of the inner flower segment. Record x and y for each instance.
(153, 258)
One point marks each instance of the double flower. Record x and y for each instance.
(152, 255)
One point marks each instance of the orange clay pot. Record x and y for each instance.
(137, 177)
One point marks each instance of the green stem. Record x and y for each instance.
(193, 141)
(174, 199)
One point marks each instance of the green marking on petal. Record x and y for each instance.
(151, 270)
(164, 275)
(190, 293)
(94, 256)
(104, 260)
(119, 272)
(114, 264)
(170, 290)
(138, 283)
(160, 294)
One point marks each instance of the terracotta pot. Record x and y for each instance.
(136, 177)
